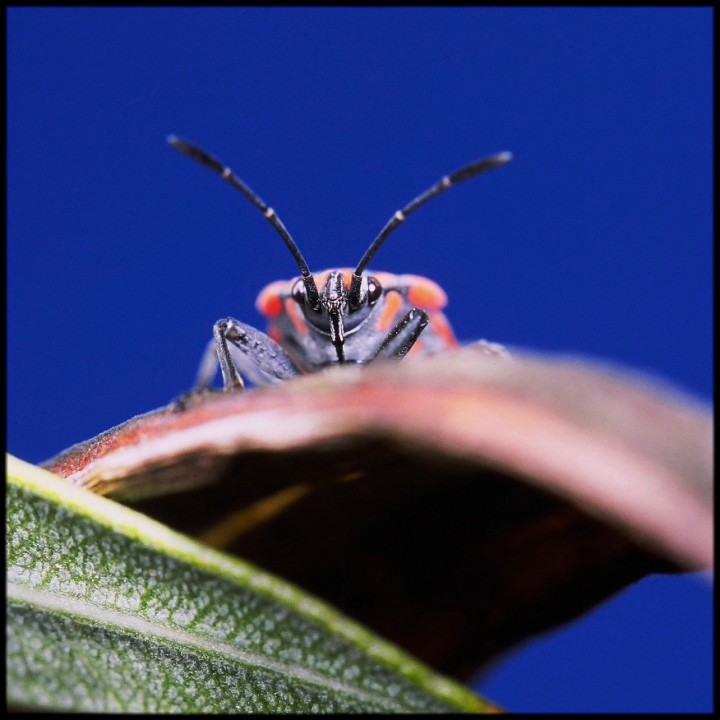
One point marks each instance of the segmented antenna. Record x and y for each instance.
(464, 173)
(204, 158)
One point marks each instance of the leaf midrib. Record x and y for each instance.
(88, 613)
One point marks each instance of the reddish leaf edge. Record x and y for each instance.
(628, 448)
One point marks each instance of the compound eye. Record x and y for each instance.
(298, 292)
(374, 290)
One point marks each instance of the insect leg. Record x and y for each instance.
(402, 337)
(240, 347)
(207, 369)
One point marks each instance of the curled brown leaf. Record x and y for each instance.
(456, 504)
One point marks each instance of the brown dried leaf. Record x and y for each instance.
(456, 504)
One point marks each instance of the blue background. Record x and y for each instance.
(596, 239)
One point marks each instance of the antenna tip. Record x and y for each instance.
(504, 157)
(172, 139)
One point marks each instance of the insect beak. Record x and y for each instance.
(337, 333)
(335, 301)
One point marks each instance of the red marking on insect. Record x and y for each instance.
(443, 329)
(390, 311)
(269, 302)
(292, 311)
(274, 334)
(425, 293)
(346, 274)
(336, 316)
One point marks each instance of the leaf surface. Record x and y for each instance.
(109, 611)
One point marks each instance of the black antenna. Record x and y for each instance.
(464, 173)
(204, 158)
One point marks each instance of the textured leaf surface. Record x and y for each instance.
(457, 504)
(109, 611)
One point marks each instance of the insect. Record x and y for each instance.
(333, 317)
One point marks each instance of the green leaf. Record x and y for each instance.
(109, 611)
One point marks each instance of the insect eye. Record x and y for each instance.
(298, 292)
(374, 290)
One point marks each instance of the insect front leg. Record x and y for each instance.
(402, 337)
(240, 348)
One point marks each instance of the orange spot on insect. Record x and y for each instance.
(391, 307)
(269, 301)
(347, 277)
(424, 293)
(274, 333)
(321, 279)
(441, 327)
(291, 309)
